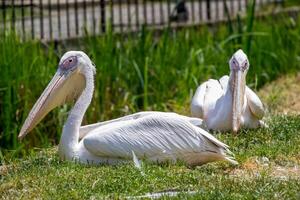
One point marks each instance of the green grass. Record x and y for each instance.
(41, 175)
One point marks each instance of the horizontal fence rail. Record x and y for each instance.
(63, 19)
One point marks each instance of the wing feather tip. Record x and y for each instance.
(229, 156)
(231, 160)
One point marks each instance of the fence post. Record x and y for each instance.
(103, 17)
(137, 20)
(23, 20)
(208, 9)
(120, 15)
(58, 18)
(76, 17)
(128, 15)
(32, 19)
(41, 20)
(68, 18)
(111, 8)
(145, 13)
(50, 19)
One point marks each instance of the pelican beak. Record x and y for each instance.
(239, 81)
(62, 87)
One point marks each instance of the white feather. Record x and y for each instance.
(137, 163)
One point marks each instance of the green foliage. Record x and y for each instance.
(139, 72)
(25, 69)
(280, 139)
(43, 176)
(287, 3)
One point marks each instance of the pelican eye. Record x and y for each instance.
(245, 65)
(235, 64)
(69, 63)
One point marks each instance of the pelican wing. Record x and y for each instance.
(157, 138)
(256, 106)
(206, 96)
(84, 130)
(197, 104)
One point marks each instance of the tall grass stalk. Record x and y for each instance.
(146, 84)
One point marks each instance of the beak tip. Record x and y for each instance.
(21, 135)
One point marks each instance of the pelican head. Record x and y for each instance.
(239, 66)
(66, 85)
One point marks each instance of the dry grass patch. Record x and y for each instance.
(256, 166)
(283, 94)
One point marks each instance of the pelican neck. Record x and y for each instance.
(70, 135)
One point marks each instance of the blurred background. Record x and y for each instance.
(150, 54)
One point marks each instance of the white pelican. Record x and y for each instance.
(155, 136)
(227, 103)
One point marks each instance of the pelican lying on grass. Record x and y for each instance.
(228, 104)
(155, 136)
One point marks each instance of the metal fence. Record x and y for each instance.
(61, 19)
